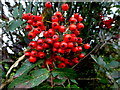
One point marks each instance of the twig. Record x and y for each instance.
(16, 63)
(5, 83)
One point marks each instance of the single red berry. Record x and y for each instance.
(45, 45)
(34, 24)
(80, 26)
(56, 44)
(45, 34)
(55, 25)
(75, 60)
(41, 54)
(58, 14)
(73, 20)
(30, 22)
(76, 15)
(48, 4)
(72, 27)
(57, 57)
(25, 16)
(37, 31)
(40, 41)
(79, 48)
(27, 54)
(63, 45)
(51, 32)
(74, 39)
(32, 59)
(65, 7)
(55, 38)
(61, 51)
(34, 17)
(39, 18)
(54, 19)
(61, 65)
(31, 35)
(62, 29)
(76, 32)
(87, 46)
(79, 40)
(81, 55)
(67, 37)
(79, 18)
(70, 44)
(61, 19)
(75, 49)
(49, 40)
(39, 47)
(67, 50)
(33, 44)
(34, 53)
(54, 49)
(28, 27)
(40, 23)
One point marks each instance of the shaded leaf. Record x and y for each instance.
(64, 72)
(28, 8)
(114, 64)
(15, 24)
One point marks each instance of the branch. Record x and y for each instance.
(16, 63)
(5, 83)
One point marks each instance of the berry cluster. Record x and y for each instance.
(61, 42)
(106, 23)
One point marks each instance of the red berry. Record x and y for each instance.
(25, 16)
(62, 29)
(87, 46)
(55, 25)
(45, 34)
(75, 49)
(80, 26)
(30, 22)
(34, 24)
(61, 19)
(40, 24)
(58, 14)
(31, 35)
(54, 19)
(61, 50)
(79, 40)
(40, 41)
(55, 38)
(32, 59)
(28, 27)
(56, 44)
(61, 65)
(76, 15)
(33, 44)
(54, 49)
(45, 45)
(63, 45)
(37, 31)
(51, 32)
(49, 40)
(79, 48)
(67, 37)
(34, 18)
(70, 44)
(73, 20)
(81, 55)
(74, 39)
(75, 60)
(27, 54)
(65, 7)
(72, 27)
(48, 4)
(41, 54)
(34, 53)
(67, 50)
(39, 18)
(79, 18)
(39, 47)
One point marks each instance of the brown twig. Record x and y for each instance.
(5, 83)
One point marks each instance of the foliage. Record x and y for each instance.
(99, 70)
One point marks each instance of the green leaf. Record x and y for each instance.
(74, 81)
(64, 72)
(20, 11)
(15, 12)
(15, 24)
(28, 8)
(103, 80)
(114, 64)
(29, 81)
(74, 86)
(35, 9)
(26, 67)
(59, 81)
(115, 74)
